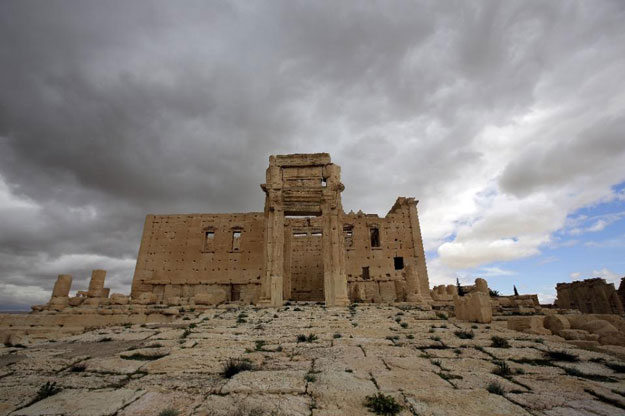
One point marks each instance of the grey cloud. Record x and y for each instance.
(111, 110)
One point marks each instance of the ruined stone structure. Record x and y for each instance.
(302, 247)
(589, 296)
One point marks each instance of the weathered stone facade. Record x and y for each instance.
(302, 247)
(589, 296)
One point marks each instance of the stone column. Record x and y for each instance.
(419, 252)
(273, 279)
(412, 284)
(96, 285)
(334, 278)
(62, 286)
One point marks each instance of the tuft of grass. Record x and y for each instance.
(310, 378)
(260, 344)
(304, 338)
(47, 390)
(495, 388)
(561, 356)
(192, 325)
(404, 325)
(78, 368)
(499, 342)
(233, 367)
(382, 404)
(539, 340)
(337, 335)
(169, 412)
(502, 369)
(464, 334)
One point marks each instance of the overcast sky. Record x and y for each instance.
(505, 119)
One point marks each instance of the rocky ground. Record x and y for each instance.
(307, 360)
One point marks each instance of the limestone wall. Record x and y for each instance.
(182, 255)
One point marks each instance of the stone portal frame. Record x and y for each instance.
(304, 185)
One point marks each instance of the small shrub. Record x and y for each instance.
(310, 378)
(78, 368)
(404, 325)
(185, 334)
(398, 319)
(499, 342)
(275, 315)
(502, 369)
(169, 412)
(441, 315)
(47, 390)
(241, 320)
(301, 338)
(337, 335)
(495, 388)
(233, 367)
(435, 338)
(105, 339)
(392, 337)
(562, 356)
(410, 336)
(260, 344)
(464, 334)
(458, 351)
(539, 340)
(191, 326)
(297, 309)
(127, 325)
(381, 404)
(474, 326)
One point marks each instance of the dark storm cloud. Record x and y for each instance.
(110, 110)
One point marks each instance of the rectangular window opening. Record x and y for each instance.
(236, 240)
(365, 273)
(348, 235)
(375, 237)
(209, 236)
(399, 263)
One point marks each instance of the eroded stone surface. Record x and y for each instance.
(334, 365)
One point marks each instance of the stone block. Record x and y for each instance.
(473, 307)
(119, 299)
(216, 297)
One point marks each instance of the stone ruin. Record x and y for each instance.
(589, 296)
(303, 247)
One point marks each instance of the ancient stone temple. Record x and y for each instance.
(302, 247)
(589, 296)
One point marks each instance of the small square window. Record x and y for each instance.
(399, 263)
